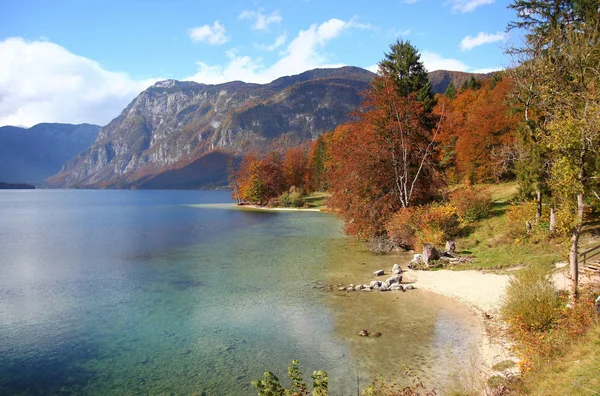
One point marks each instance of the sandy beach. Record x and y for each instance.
(483, 293)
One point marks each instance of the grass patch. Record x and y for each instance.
(487, 241)
(316, 199)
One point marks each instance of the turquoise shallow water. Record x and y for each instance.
(128, 292)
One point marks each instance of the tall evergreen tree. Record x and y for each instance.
(403, 64)
(450, 91)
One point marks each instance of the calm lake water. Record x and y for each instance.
(145, 292)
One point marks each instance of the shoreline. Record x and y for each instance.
(267, 209)
(482, 293)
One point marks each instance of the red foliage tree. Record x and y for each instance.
(383, 160)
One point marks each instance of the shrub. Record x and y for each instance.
(402, 228)
(472, 203)
(433, 223)
(292, 199)
(517, 216)
(437, 224)
(532, 301)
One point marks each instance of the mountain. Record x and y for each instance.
(440, 79)
(181, 134)
(30, 155)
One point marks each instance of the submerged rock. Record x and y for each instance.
(363, 333)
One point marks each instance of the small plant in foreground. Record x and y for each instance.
(270, 385)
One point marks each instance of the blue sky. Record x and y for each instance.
(83, 61)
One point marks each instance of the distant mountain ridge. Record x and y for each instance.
(441, 79)
(30, 155)
(182, 134)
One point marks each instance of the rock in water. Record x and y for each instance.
(396, 269)
(379, 272)
(363, 333)
(394, 279)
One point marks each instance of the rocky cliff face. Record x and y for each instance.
(171, 127)
(181, 134)
(32, 154)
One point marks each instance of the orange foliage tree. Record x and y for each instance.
(478, 132)
(295, 168)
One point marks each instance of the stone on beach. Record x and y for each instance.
(379, 273)
(394, 279)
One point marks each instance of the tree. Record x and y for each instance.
(403, 65)
(317, 159)
(562, 60)
(450, 91)
(478, 132)
(295, 168)
(383, 160)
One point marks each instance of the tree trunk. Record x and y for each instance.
(552, 226)
(538, 206)
(574, 251)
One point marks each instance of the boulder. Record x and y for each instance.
(396, 269)
(409, 287)
(396, 286)
(384, 287)
(341, 289)
(430, 253)
(393, 279)
(379, 272)
(375, 283)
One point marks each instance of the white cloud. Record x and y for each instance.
(470, 42)
(486, 70)
(301, 54)
(434, 62)
(279, 41)
(214, 35)
(468, 5)
(373, 68)
(398, 32)
(43, 82)
(261, 21)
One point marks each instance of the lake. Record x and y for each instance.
(129, 292)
